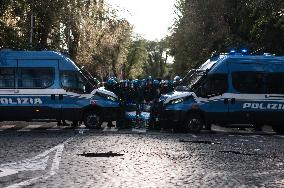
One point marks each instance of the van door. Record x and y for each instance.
(7, 89)
(37, 89)
(247, 91)
(76, 94)
(213, 94)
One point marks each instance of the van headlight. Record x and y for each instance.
(106, 96)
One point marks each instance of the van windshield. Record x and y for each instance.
(192, 78)
(93, 81)
(87, 75)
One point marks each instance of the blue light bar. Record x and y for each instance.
(245, 52)
(232, 52)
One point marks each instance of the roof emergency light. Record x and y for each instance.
(232, 52)
(245, 52)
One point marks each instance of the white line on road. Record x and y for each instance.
(112, 129)
(194, 136)
(281, 136)
(5, 127)
(36, 163)
(139, 130)
(54, 128)
(7, 172)
(29, 127)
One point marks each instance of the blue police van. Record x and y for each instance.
(229, 89)
(49, 86)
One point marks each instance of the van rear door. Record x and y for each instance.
(37, 83)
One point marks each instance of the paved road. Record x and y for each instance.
(84, 158)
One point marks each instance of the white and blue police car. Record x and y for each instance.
(49, 86)
(229, 89)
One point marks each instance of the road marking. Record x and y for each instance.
(5, 127)
(54, 128)
(7, 172)
(139, 130)
(112, 129)
(25, 165)
(281, 136)
(29, 128)
(38, 162)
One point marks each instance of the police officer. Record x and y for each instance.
(113, 86)
(177, 81)
(150, 93)
(166, 87)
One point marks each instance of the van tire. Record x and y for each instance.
(92, 120)
(278, 129)
(193, 123)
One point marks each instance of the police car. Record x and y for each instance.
(48, 86)
(229, 89)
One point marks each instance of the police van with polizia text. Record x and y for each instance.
(229, 89)
(49, 86)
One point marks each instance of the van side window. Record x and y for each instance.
(40, 78)
(73, 81)
(249, 82)
(275, 83)
(7, 78)
(213, 85)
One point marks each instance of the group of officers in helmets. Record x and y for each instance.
(138, 91)
(146, 91)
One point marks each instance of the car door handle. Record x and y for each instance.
(233, 101)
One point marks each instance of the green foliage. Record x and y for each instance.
(148, 58)
(88, 30)
(136, 59)
(204, 26)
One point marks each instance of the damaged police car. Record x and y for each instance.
(229, 89)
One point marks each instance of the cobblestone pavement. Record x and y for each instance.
(224, 158)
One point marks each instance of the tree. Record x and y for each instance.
(204, 26)
(136, 59)
(158, 52)
(88, 30)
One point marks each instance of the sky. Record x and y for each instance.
(150, 18)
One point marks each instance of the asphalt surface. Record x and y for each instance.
(43, 156)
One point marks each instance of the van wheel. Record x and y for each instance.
(278, 129)
(194, 123)
(92, 120)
